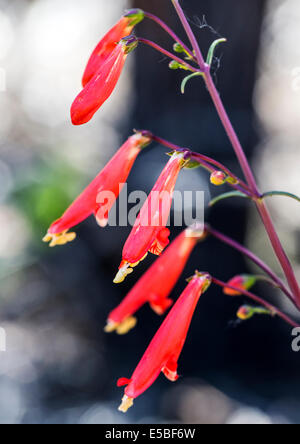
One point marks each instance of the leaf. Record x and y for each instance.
(226, 196)
(281, 193)
(211, 51)
(186, 79)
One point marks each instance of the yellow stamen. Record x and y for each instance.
(121, 328)
(138, 262)
(126, 404)
(143, 258)
(111, 326)
(135, 264)
(59, 239)
(123, 273)
(127, 325)
(127, 269)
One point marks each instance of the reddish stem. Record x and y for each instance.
(206, 162)
(175, 37)
(190, 34)
(260, 301)
(237, 246)
(168, 54)
(261, 206)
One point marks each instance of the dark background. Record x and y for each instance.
(63, 298)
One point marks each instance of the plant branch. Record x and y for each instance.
(237, 246)
(190, 35)
(168, 54)
(274, 310)
(260, 204)
(175, 37)
(204, 160)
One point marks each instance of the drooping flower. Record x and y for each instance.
(243, 282)
(157, 283)
(107, 44)
(99, 197)
(149, 233)
(101, 86)
(165, 348)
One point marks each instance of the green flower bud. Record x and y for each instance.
(136, 16)
(174, 65)
(178, 48)
(129, 43)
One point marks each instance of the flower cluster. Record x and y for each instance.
(150, 233)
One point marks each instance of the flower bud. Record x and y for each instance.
(129, 43)
(218, 178)
(174, 65)
(178, 48)
(136, 16)
(245, 312)
(240, 282)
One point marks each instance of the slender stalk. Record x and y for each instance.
(175, 37)
(260, 301)
(231, 133)
(205, 160)
(167, 53)
(198, 156)
(237, 246)
(261, 206)
(262, 278)
(190, 34)
(212, 169)
(275, 241)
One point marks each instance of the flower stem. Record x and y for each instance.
(260, 204)
(190, 34)
(167, 53)
(208, 163)
(237, 246)
(175, 37)
(260, 301)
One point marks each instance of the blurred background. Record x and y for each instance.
(59, 366)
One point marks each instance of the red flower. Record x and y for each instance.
(165, 348)
(149, 233)
(157, 283)
(101, 86)
(105, 47)
(109, 182)
(244, 282)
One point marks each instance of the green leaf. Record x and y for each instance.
(226, 196)
(186, 79)
(280, 193)
(211, 51)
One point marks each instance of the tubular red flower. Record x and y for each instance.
(157, 283)
(107, 44)
(243, 282)
(101, 86)
(149, 233)
(165, 348)
(99, 197)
